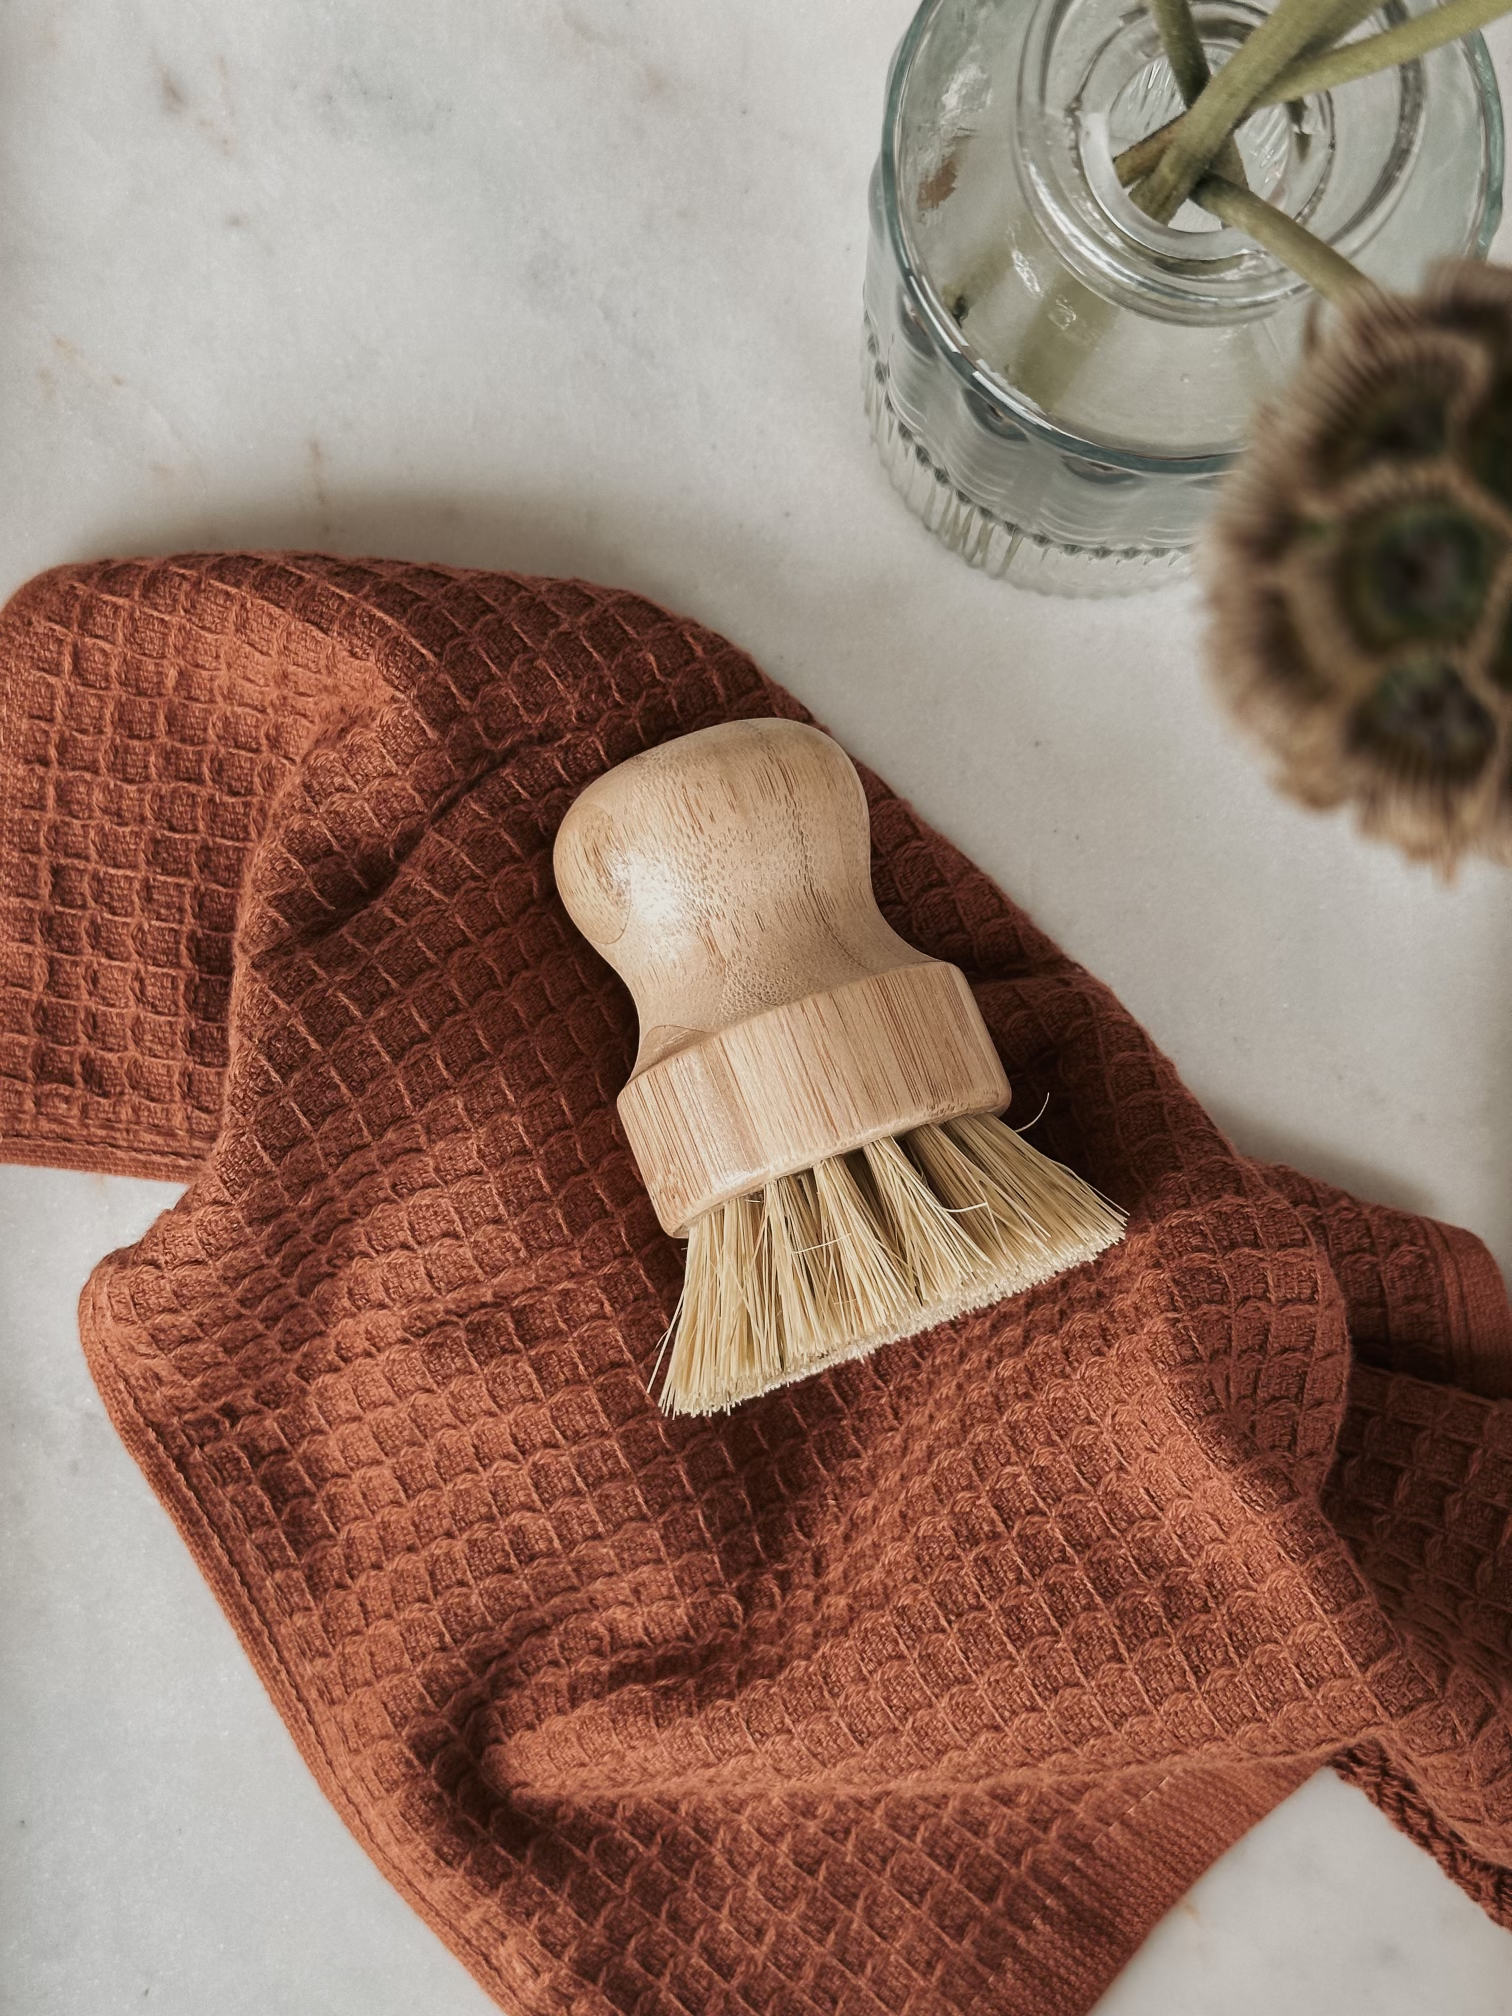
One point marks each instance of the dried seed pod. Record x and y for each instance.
(1423, 720)
(1417, 569)
(1359, 570)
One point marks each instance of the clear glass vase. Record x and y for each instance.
(1054, 382)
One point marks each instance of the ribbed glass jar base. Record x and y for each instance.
(1002, 550)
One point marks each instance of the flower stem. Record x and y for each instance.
(1050, 354)
(1394, 46)
(1329, 272)
(1278, 41)
(1343, 21)
(1297, 57)
(1182, 45)
(1137, 161)
(1189, 66)
(1342, 64)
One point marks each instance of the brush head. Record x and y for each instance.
(812, 1099)
(866, 1248)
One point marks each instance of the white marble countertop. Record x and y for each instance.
(574, 287)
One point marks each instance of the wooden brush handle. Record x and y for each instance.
(726, 877)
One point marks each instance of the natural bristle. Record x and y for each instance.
(868, 1248)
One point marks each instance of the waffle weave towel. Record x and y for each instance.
(926, 1686)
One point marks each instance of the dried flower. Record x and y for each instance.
(1359, 570)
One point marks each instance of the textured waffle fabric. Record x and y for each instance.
(925, 1686)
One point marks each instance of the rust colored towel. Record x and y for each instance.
(925, 1686)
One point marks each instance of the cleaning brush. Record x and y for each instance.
(813, 1104)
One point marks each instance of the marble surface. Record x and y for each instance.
(575, 287)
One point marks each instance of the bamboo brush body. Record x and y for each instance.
(813, 1102)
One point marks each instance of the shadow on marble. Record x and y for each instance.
(593, 537)
(1267, 1143)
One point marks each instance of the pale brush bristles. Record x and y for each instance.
(940, 1258)
(867, 1248)
(870, 1288)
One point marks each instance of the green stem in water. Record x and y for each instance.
(1136, 162)
(1340, 65)
(1189, 66)
(1278, 41)
(1343, 21)
(1386, 51)
(1050, 354)
(1329, 272)
(1182, 45)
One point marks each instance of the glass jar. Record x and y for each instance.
(1055, 383)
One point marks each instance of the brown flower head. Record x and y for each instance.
(1359, 570)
